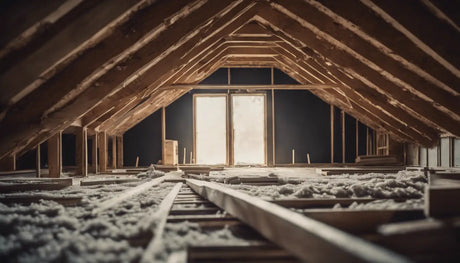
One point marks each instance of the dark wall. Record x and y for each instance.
(302, 121)
(179, 124)
(143, 140)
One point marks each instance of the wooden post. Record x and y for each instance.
(102, 140)
(81, 151)
(8, 163)
(114, 152)
(38, 161)
(343, 135)
(293, 156)
(163, 134)
(332, 133)
(95, 162)
(357, 138)
(120, 163)
(367, 140)
(185, 155)
(55, 155)
(137, 161)
(273, 120)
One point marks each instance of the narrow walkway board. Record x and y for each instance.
(154, 246)
(127, 194)
(308, 239)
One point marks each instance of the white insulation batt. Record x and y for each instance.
(49, 232)
(405, 184)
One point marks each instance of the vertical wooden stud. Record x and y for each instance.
(38, 161)
(81, 151)
(55, 155)
(114, 152)
(120, 163)
(343, 135)
(273, 119)
(332, 133)
(102, 140)
(357, 138)
(163, 134)
(95, 163)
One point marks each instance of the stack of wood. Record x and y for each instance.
(377, 160)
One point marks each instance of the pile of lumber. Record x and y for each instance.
(377, 160)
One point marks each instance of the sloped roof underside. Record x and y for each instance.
(107, 65)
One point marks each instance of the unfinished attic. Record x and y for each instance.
(229, 131)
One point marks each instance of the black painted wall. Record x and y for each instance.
(302, 122)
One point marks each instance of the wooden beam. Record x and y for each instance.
(55, 155)
(163, 134)
(87, 70)
(393, 117)
(372, 54)
(332, 132)
(155, 248)
(109, 203)
(342, 120)
(273, 118)
(94, 157)
(102, 145)
(50, 54)
(237, 16)
(252, 87)
(114, 152)
(314, 241)
(38, 161)
(81, 151)
(340, 55)
(357, 138)
(397, 39)
(119, 156)
(442, 200)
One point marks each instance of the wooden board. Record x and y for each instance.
(28, 199)
(312, 241)
(108, 181)
(442, 200)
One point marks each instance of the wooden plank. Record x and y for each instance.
(21, 187)
(239, 253)
(95, 163)
(126, 195)
(342, 121)
(108, 181)
(155, 246)
(120, 160)
(54, 155)
(314, 241)
(38, 163)
(35, 198)
(442, 200)
(102, 145)
(163, 135)
(303, 203)
(114, 152)
(362, 221)
(252, 87)
(81, 151)
(365, 69)
(147, 24)
(332, 133)
(62, 181)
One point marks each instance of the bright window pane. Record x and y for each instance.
(249, 129)
(211, 129)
